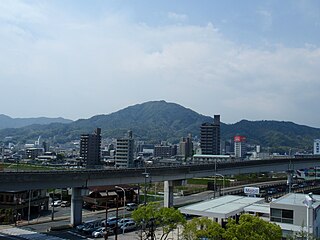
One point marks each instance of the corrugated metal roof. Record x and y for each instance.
(223, 207)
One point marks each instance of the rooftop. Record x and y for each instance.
(296, 199)
(223, 207)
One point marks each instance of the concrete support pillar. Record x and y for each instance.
(76, 207)
(168, 194)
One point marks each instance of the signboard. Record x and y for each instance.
(251, 190)
(239, 138)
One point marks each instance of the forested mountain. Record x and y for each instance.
(8, 122)
(159, 120)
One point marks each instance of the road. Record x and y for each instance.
(38, 227)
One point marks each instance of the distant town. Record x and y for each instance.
(93, 151)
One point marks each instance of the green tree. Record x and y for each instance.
(202, 228)
(152, 216)
(252, 228)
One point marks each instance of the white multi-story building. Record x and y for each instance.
(240, 148)
(316, 146)
(124, 151)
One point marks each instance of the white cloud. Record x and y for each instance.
(177, 17)
(79, 68)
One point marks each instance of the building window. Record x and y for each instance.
(281, 215)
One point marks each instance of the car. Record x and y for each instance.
(56, 203)
(123, 221)
(294, 186)
(84, 225)
(131, 206)
(101, 232)
(65, 204)
(111, 222)
(128, 226)
(303, 185)
(91, 227)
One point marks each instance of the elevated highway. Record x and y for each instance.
(28, 180)
(81, 180)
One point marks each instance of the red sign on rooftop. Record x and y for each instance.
(239, 138)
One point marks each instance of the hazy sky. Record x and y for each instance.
(241, 59)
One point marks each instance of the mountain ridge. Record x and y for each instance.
(9, 122)
(157, 121)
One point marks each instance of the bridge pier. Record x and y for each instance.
(168, 194)
(76, 206)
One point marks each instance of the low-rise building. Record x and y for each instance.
(19, 201)
(292, 212)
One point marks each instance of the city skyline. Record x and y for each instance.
(76, 59)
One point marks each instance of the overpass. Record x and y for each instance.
(81, 180)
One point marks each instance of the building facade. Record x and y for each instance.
(240, 148)
(210, 137)
(90, 149)
(21, 201)
(186, 147)
(166, 151)
(316, 147)
(125, 151)
(292, 214)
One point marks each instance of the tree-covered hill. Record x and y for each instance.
(159, 120)
(8, 122)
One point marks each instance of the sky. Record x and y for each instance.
(255, 60)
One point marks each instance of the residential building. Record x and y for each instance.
(240, 148)
(210, 137)
(33, 153)
(316, 147)
(90, 148)
(165, 151)
(125, 151)
(186, 147)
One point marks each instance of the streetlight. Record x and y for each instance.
(124, 199)
(146, 175)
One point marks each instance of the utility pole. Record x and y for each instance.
(146, 175)
(106, 225)
(116, 230)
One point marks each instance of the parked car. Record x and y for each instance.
(86, 225)
(101, 232)
(56, 203)
(91, 227)
(294, 186)
(303, 184)
(128, 226)
(131, 206)
(111, 222)
(65, 204)
(123, 221)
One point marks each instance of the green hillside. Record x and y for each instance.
(159, 120)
